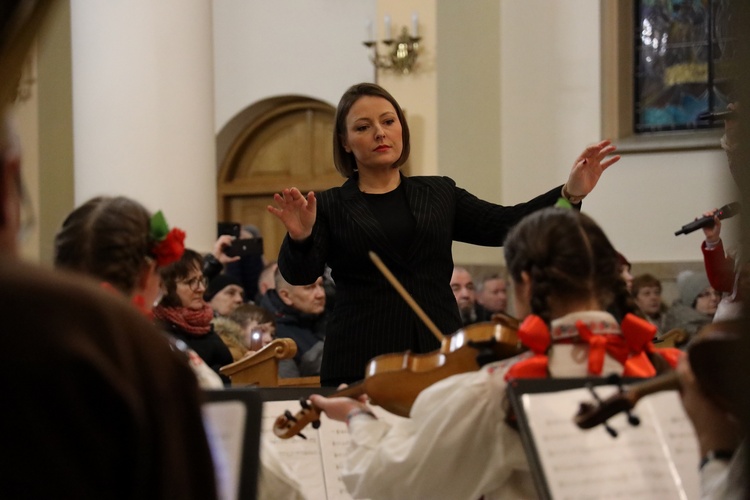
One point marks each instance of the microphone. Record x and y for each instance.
(724, 212)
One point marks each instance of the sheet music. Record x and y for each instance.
(225, 428)
(638, 464)
(317, 460)
(679, 435)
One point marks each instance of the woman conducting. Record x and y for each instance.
(409, 222)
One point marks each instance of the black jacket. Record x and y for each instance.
(370, 317)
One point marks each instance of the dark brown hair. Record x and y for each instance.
(345, 162)
(566, 254)
(176, 271)
(644, 280)
(107, 238)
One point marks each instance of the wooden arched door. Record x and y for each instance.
(274, 144)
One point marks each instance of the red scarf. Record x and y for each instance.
(630, 348)
(196, 322)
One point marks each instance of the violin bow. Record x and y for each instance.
(408, 298)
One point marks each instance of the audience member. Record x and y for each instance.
(625, 271)
(117, 241)
(492, 294)
(247, 268)
(96, 404)
(696, 305)
(299, 316)
(266, 280)
(724, 270)
(462, 285)
(224, 294)
(257, 324)
(410, 222)
(647, 294)
(565, 274)
(214, 262)
(722, 439)
(230, 333)
(186, 315)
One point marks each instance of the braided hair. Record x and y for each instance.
(566, 254)
(107, 238)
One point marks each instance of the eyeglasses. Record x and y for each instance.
(195, 283)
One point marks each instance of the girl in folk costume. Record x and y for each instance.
(116, 240)
(457, 443)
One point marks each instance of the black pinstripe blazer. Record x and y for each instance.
(369, 317)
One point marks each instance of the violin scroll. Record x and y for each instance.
(287, 425)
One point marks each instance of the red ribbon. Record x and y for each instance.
(631, 348)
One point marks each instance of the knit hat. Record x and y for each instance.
(691, 284)
(219, 283)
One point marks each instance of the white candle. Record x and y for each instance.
(388, 28)
(414, 25)
(370, 35)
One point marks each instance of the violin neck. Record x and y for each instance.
(667, 382)
(353, 390)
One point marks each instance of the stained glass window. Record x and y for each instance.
(683, 52)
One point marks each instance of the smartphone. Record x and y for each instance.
(244, 247)
(230, 228)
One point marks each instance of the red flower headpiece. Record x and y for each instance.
(167, 245)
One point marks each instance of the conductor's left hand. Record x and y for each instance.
(589, 166)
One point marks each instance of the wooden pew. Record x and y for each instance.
(262, 368)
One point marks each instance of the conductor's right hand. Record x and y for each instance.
(296, 211)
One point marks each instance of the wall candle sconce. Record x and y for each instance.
(400, 53)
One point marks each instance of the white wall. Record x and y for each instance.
(279, 47)
(550, 109)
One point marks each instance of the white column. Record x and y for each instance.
(143, 108)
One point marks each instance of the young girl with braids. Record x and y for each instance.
(117, 241)
(457, 443)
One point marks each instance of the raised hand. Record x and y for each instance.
(589, 166)
(219, 250)
(296, 211)
(712, 233)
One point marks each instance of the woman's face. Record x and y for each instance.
(707, 301)
(191, 288)
(373, 133)
(625, 274)
(649, 300)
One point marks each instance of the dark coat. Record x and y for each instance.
(307, 331)
(212, 350)
(370, 317)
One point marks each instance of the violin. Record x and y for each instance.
(709, 354)
(393, 381)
